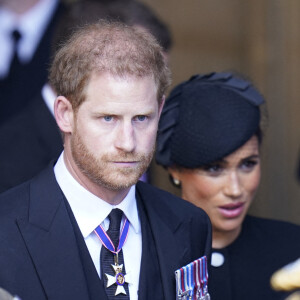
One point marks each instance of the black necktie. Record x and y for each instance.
(15, 62)
(107, 258)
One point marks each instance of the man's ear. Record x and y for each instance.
(161, 105)
(64, 114)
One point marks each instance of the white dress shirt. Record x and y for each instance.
(90, 211)
(32, 25)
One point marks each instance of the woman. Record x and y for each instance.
(209, 140)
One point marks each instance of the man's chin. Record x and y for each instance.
(121, 180)
(119, 186)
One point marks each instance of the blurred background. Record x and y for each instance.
(260, 39)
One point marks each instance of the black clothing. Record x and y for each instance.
(262, 248)
(29, 141)
(107, 258)
(43, 256)
(198, 115)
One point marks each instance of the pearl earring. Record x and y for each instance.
(176, 181)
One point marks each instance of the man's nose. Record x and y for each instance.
(125, 138)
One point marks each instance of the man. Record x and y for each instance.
(31, 138)
(59, 236)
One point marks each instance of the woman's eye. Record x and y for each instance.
(213, 169)
(249, 164)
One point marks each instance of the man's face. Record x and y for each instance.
(115, 128)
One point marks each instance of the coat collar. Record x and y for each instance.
(170, 232)
(50, 240)
(49, 237)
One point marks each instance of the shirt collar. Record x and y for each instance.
(7, 20)
(32, 25)
(129, 208)
(89, 210)
(33, 31)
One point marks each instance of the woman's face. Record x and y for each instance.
(224, 189)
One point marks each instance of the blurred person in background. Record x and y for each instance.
(139, 14)
(209, 140)
(26, 28)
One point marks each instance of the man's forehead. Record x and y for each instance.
(120, 76)
(109, 82)
(110, 90)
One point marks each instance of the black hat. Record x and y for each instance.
(206, 118)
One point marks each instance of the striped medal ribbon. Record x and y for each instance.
(106, 241)
(119, 278)
(191, 281)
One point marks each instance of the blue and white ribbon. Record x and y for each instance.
(106, 241)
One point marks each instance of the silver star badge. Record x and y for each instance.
(119, 279)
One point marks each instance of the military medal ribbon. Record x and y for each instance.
(119, 277)
(191, 281)
(106, 241)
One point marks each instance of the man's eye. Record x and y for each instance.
(107, 118)
(141, 118)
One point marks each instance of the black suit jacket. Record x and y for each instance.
(39, 254)
(29, 141)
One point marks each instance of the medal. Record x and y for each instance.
(182, 287)
(119, 278)
(191, 281)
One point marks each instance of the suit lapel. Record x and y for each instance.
(150, 282)
(94, 283)
(170, 233)
(49, 237)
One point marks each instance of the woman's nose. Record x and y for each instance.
(233, 186)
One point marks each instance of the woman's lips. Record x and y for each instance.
(232, 210)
